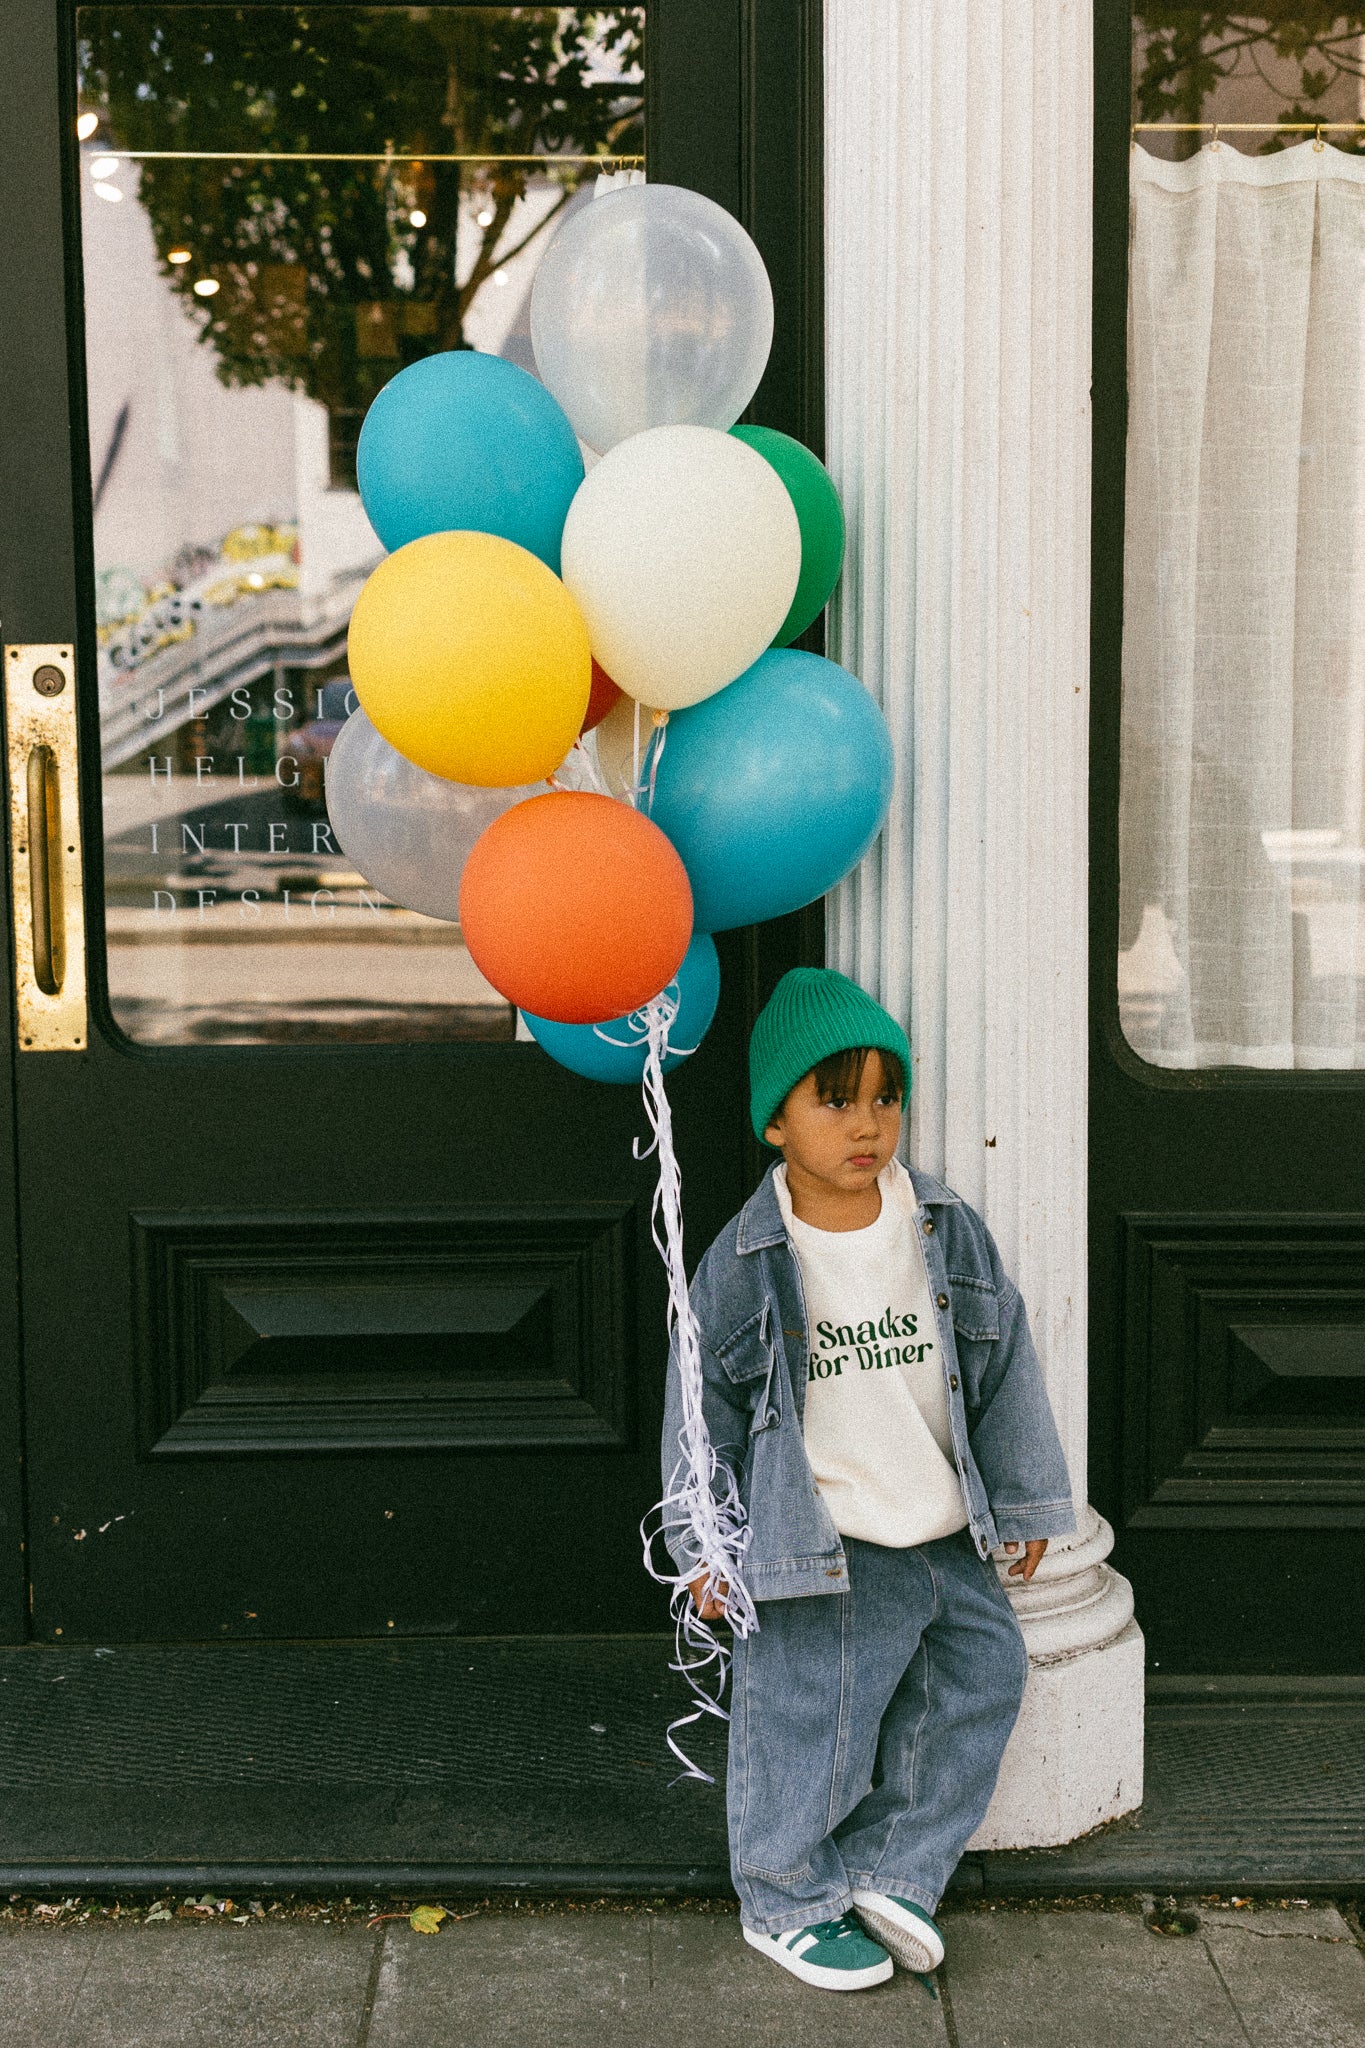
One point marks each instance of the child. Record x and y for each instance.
(871, 1383)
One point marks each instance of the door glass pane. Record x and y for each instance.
(280, 207)
(1242, 851)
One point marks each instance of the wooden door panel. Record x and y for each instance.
(350, 1339)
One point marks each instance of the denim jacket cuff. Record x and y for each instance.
(1042, 1518)
(683, 1560)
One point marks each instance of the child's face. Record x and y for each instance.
(843, 1141)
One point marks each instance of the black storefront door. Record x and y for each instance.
(337, 1309)
(1228, 1200)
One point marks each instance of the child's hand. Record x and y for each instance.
(714, 1608)
(1029, 1562)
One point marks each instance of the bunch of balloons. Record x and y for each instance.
(650, 598)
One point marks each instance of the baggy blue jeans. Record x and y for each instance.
(866, 1732)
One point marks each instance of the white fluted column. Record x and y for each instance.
(958, 222)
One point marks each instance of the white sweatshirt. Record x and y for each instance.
(876, 1425)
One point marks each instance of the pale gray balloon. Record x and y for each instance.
(651, 308)
(408, 832)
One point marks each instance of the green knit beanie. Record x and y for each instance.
(812, 1013)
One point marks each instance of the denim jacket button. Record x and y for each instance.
(928, 1222)
(952, 1381)
(982, 1545)
(834, 1571)
(943, 1301)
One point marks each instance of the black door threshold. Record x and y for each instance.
(539, 1766)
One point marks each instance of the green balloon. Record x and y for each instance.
(821, 519)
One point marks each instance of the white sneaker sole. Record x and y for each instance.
(915, 1946)
(823, 1978)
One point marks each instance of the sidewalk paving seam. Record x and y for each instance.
(64, 2023)
(945, 1999)
(1350, 1913)
(372, 1988)
(1284, 1934)
(1227, 1993)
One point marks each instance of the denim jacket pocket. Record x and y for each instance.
(749, 1355)
(976, 1308)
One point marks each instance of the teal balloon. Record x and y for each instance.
(774, 788)
(609, 1052)
(820, 517)
(467, 443)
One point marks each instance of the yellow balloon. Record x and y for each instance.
(471, 658)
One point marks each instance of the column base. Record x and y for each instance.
(1075, 1757)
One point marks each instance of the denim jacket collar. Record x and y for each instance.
(760, 1220)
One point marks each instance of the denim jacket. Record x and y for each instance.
(749, 1304)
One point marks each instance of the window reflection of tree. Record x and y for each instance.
(1306, 61)
(326, 281)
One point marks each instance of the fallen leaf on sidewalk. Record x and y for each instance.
(426, 1919)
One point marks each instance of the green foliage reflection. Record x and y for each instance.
(324, 281)
(1298, 54)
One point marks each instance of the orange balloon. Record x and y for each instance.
(575, 907)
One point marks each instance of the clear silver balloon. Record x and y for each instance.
(651, 308)
(408, 832)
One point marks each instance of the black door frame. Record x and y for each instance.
(46, 566)
(1263, 1158)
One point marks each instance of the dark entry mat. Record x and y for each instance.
(514, 1754)
(1251, 1785)
(542, 1764)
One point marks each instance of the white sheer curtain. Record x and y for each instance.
(1243, 751)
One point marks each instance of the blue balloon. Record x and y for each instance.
(774, 788)
(605, 1052)
(463, 442)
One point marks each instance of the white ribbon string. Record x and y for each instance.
(701, 1502)
(586, 767)
(644, 767)
(656, 754)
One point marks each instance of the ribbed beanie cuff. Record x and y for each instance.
(813, 1012)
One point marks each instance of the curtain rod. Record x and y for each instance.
(1242, 127)
(330, 156)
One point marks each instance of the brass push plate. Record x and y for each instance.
(45, 848)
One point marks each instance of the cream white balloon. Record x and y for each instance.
(682, 550)
(651, 307)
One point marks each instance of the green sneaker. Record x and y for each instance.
(834, 1954)
(905, 1928)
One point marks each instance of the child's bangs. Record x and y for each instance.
(841, 1073)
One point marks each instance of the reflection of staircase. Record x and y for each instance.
(232, 647)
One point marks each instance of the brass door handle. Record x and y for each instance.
(45, 868)
(45, 872)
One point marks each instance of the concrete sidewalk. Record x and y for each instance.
(1266, 1977)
